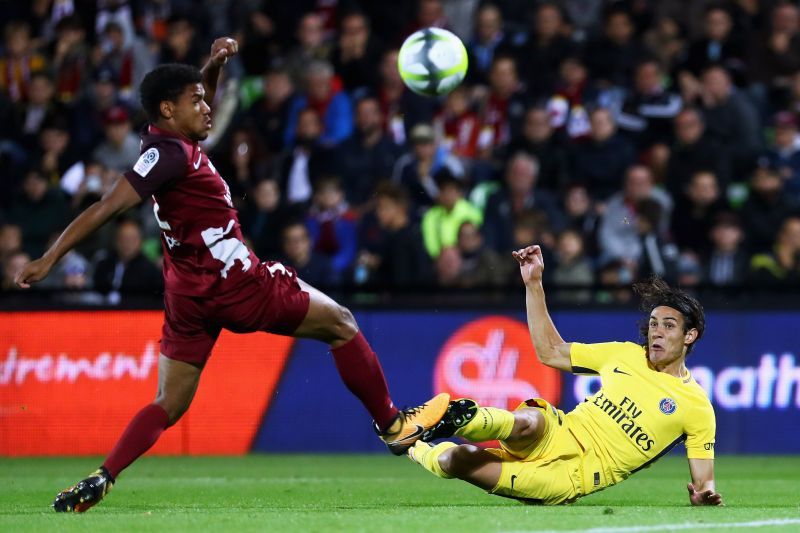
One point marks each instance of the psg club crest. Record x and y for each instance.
(667, 406)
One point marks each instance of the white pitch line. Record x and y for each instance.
(673, 527)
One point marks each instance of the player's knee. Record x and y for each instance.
(460, 460)
(527, 425)
(345, 326)
(175, 408)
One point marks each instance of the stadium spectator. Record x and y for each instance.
(356, 53)
(18, 62)
(263, 218)
(774, 53)
(89, 111)
(10, 240)
(765, 208)
(659, 256)
(574, 95)
(304, 159)
(180, 45)
(727, 263)
(695, 212)
(480, 266)
(40, 210)
(448, 267)
(613, 57)
(503, 108)
(618, 233)
(580, 214)
(648, 110)
(693, 151)
(126, 56)
(784, 154)
(367, 156)
(518, 195)
(120, 149)
(311, 48)
(298, 253)
(402, 109)
(539, 140)
(55, 153)
(457, 124)
(416, 170)
(601, 161)
(323, 95)
(70, 58)
(731, 120)
(781, 265)
(666, 40)
(41, 104)
(397, 257)
(489, 40)
(719, 45)
(441, 222)
(124, 270)
(572, 268)
(269, 114)
(546, 48)
(332, 225)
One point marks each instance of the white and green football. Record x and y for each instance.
(432, 62)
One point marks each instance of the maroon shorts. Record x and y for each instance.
(270, 301)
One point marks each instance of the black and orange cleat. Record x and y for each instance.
(85, 494)
(411, 423)
(459, 413)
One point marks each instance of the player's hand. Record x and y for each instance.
(531, 264)
(706, 497)
(222, 49)
(32, 272)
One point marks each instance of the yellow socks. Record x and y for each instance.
(428, 457)
(489, 423)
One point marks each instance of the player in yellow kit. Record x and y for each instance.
(648, 403)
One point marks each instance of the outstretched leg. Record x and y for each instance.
(361, 372)
(177, 384)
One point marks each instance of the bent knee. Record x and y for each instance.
(460, 460)
(174, 409)
(343, 326)
(528, 425)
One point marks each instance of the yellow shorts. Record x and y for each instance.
(557, 469)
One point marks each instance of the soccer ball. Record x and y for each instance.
(432, 62)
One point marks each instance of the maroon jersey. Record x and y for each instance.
(204, 251)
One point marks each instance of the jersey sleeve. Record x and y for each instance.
(590, 358)
(701, 428)
(159, 165)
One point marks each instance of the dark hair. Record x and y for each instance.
(165, 82)
(656, 292)
(393, 192)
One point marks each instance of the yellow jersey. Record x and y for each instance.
(639, 414)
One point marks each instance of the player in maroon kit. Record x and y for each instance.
(212, 280)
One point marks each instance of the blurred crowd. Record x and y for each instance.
(628, 138)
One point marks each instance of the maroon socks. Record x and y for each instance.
(142, 432)
(361, 372)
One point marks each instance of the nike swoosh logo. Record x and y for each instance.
(618, 371)
(413, 436)
(199, 157)
(513, 478)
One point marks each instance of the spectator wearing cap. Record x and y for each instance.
(601, 161)
(517, 196)
(39, 210)
(120, 149)
(693, 151)
(323, 94)
(368, 155)
(441, 222)
(416, 170)
(784, 154)
(766, 207)
(726, 263)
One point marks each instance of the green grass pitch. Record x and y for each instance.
(381, 493)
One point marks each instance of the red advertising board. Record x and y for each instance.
(70, 382)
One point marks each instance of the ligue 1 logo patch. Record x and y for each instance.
(667, 406)
(146, 162)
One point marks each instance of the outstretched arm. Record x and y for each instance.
(550, 347)
(701, 489)
(221, 50)
(120, 198)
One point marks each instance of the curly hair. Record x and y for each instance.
(165, 82)
(656, 292)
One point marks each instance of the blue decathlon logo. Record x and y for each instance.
(667, 406)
